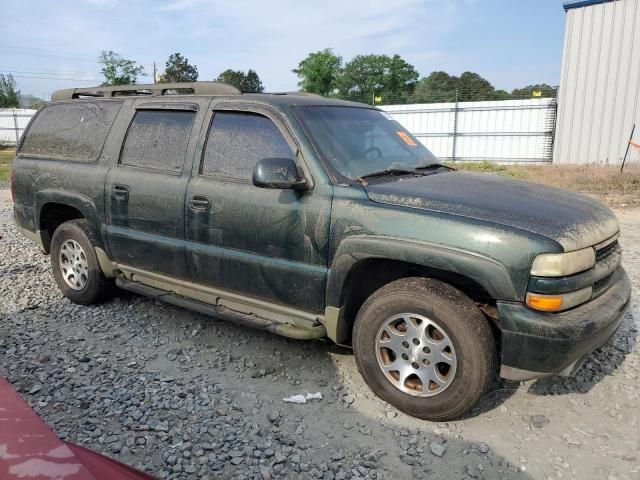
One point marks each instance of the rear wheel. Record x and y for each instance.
(75, 264)
(424, 347)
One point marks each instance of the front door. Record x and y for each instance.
(145, 191)
(266, 243)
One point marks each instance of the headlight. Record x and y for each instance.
(563, 264)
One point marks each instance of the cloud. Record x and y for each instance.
(271, 37)
(103, 3)
(180, 5)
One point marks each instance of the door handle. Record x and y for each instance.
(199, 202)
(120, 191)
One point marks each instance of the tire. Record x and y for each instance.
(75, 239)
(455, 356)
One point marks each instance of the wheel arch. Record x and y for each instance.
(364, 264)
(54, 207)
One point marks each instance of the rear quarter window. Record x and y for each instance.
(71, 131)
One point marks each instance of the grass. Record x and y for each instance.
(603, 182)
(6, 157)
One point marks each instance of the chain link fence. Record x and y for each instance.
(474, 125)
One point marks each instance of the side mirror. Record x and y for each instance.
(279, 173)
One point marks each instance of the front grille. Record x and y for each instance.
(602, 285)
(604, 252)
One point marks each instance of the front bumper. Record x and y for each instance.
(536, 344)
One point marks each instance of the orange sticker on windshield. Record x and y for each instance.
(407, 139)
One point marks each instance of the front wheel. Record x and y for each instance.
(424, 347)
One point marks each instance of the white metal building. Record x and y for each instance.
(598, 101)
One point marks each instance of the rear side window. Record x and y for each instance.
(72, 131)
(158, 139)
(238, 140)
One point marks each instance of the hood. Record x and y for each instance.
(573, 220)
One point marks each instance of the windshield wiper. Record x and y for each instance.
(433, 166)
(390, 171)
(418, 170)
(385, 173)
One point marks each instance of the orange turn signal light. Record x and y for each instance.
(546, 303)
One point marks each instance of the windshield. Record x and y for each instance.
(361, 141)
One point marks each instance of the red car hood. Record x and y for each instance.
(30, 450)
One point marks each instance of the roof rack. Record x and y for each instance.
(153, 89)
(295, 94)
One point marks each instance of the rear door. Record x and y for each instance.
(145, 190)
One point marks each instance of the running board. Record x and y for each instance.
(248, 319)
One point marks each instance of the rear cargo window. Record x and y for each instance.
(238, 140)
(72, 131)
(158, 139)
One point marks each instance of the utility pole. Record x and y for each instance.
(455, 126)
(154, 72)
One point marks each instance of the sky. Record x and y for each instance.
(512, 43)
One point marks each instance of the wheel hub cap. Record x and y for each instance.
(415, 355)
(73, 264)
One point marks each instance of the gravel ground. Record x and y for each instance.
(181, 395)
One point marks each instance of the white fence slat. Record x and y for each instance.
(12, 119)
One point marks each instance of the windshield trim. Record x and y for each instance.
(335, 176)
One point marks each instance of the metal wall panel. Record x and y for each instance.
(13, 121)
(600, 84)
(505, 131)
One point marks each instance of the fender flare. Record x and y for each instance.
(485, 271)
(82, 203)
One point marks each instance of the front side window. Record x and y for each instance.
(239, 140)
(157, 139)
(360, 141)
(71, 131)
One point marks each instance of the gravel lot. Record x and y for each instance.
(181, 395)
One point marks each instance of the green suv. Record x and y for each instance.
(312, 218)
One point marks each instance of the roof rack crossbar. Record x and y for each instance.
(153, 89)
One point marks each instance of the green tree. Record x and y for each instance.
(8, 92)
(37, 103)
(118, 70)
(245, 82)
(400, 77)
(319, 72)
(178, 69)
(437, 87)
(30, 101)
(367, 76)
(472, 87)
(545, 90)
(502, 95)
(468, 87)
